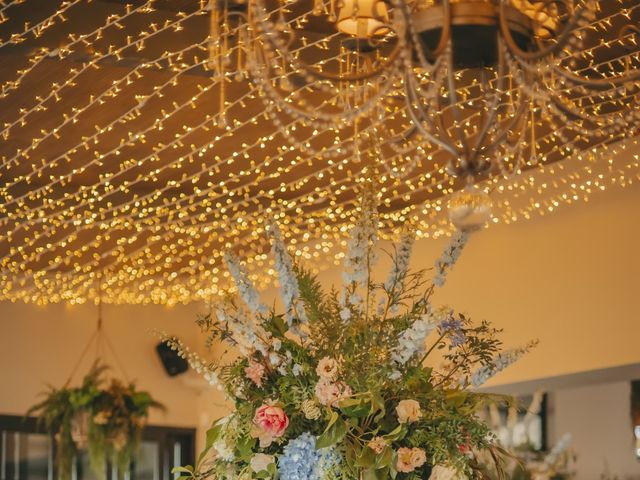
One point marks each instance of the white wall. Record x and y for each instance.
(598, 417)
(42, 345)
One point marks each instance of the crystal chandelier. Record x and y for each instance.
(479, 80)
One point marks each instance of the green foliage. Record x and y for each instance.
(361, 330)
(108, 417)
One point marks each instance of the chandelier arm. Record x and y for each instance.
(493, 110)
(505, 131)
(453, 98)
(430, 92)
(411, 103)
(440, 123)
(271, 39)
(445, 34)
(603, 83)
(604, 123)
(408, 134)
(412, 130)
(418, 46)
(545, 4)
(627, 30)
(577, 115)
(312, 115)
(554, 99)
(560, 43)
(516, 152)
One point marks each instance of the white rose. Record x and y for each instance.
(261, 461)
(408, 411)
(223, 451)
(327, 368)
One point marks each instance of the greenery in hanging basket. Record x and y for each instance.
(369, 383)
(104, 417)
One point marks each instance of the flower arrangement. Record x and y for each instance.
(338, 385)
(105, 419)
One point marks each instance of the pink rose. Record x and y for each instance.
(330, 393)
(271, 421)
(255, 372)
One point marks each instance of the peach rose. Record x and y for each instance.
(408, 411)
(271, 422)
(377, 444)
(255, 372)
(409, 459)
(327, 368)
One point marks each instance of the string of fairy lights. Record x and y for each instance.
(136, 165)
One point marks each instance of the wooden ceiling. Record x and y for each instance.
(117, 175)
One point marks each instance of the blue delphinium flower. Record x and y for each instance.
(453, 326)
(301, 460)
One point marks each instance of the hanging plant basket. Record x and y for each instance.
(105, 418)
(80, 429)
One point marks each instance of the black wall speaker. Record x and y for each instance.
(172, 363)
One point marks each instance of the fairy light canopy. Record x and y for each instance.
(141, 139)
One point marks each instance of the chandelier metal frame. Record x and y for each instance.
(530, 82)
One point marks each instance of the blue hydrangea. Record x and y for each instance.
(300, 460)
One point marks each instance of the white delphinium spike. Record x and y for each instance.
(534, 407)
(289, 289)
(500, 362)
(360, 256)
(400, 262)
(195, 362)
(235, 328)
(411, 342)
(247, 334)
(558, 449)
(246, 289)
(449, 256)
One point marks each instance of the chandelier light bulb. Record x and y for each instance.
(363, 18)
(470, 209)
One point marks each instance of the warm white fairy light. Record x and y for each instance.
(155, 221)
